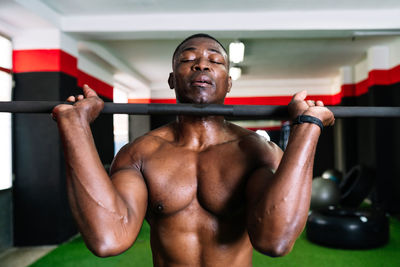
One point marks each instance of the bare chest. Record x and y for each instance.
(214, 178)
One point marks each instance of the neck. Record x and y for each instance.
(200, 132)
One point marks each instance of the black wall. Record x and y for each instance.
(375, 143)
(387, 149)
(324, 155)
(158, 121)
(41, 210)
(6, 236)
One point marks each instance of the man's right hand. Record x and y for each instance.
(87, 106)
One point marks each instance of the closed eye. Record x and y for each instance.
(186, 60)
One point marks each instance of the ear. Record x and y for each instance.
(171, 80)
(229, 84)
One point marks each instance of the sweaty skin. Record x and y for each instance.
(210, 190)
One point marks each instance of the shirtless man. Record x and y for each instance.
(210, 190)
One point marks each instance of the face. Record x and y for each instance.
(200, 72)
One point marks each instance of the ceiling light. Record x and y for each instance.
(236, 52)
(235, 73)
(376, 33)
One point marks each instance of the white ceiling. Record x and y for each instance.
(96, 7)
(264, 58)
(285, 39)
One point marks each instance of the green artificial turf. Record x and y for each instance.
(75, 253)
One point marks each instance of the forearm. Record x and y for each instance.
(280, 214)
(94, 201)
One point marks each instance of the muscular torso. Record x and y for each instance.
(196, 205)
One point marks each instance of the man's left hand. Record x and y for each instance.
(300, 106)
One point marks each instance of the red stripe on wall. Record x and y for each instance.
(102, 88)
(394, 75)
(361, 88)
(379, 77)
(259, 100)
(56, 60)
(139, 101)
(164, 101)
(375, 77)
(148, 101)
(44, 60)
(280, 100)
(348, 90)
(330, 100)
(256, 100)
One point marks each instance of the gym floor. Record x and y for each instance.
(23, 256)
(75, 253)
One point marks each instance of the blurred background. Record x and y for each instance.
(342, 52)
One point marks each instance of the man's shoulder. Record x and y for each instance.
(247, 136)
(258, 146)
(153, 139)
(136, 152)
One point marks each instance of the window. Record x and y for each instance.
(5, 118)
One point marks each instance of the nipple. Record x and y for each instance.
(159, 208)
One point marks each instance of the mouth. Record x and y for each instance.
(201, 81)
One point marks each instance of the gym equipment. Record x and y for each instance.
(356, 185)
(333, 175)
(325, 193)
(203, 110)
(348, 228)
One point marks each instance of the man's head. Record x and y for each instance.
(200, 70)
(197, 35)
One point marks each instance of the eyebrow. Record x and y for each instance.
(192, 48)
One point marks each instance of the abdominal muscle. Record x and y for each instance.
(194, 237)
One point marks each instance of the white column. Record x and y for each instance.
(121, 121)
(378, 58)
(347, 75)
(45, 39)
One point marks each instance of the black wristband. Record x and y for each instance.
(308, 119)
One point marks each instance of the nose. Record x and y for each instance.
(201, 64)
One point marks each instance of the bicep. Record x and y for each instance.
(129, 182)
(256, 185)
(130, 185)
(262, 176)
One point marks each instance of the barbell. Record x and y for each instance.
(256, 111)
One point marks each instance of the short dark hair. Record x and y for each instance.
(197, 35)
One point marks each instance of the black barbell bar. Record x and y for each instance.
(257, 111)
